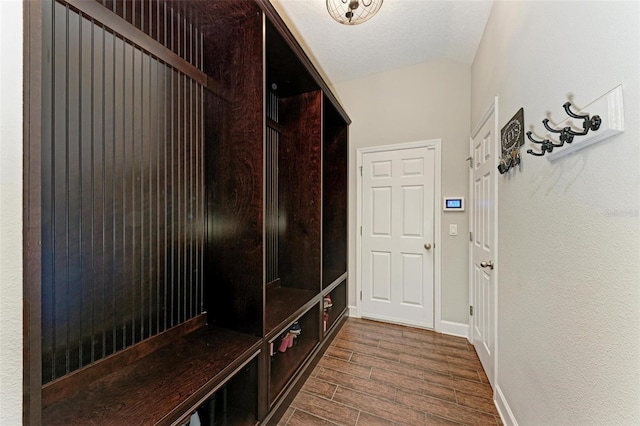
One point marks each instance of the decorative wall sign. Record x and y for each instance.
(511, 139)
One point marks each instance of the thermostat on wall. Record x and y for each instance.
(453, 204)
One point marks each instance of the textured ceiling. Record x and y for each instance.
(403, 33)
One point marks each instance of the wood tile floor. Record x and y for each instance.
(383, 374)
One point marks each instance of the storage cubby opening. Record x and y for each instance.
(287, 353)
(334, 305)
(293, 183)
(233, 151)
(334, 194)
(235, 403)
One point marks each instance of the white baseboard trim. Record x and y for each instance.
(454, 329)
(353, 311)
(508, 419)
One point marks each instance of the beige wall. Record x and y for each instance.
(569, 241)
(10, 212)
(420, 102)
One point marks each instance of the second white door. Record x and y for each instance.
(398, 191)
(483, 244)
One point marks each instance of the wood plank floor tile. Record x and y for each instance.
(320, 387)
(474, 388)
(397, 413)
(338, 353)
(476, 402)
(367, 419)
(439, 421)
(370, 361)
(464, 362)
(347, 367)
(418, 336)
(301, 418)
(440, 378)
(461, 353)
(425, 364)
(465, 373)
(412, 384)
(422, 352)
(370, 339)
(367, 386)
(377, 327)
(445, 409)
(456, 343)
(366, 349)
(354, 346)
(325, 409)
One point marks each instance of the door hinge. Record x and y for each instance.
(471, 310)
(361, 230)
(360, 170)
(360, 294)
(470, 236)
(470, 160)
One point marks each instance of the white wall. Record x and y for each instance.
(11, 212)
(420, 102)
(569, 245)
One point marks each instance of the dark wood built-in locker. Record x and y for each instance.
(186, 246)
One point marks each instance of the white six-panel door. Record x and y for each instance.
(398, 236)
(483, 244)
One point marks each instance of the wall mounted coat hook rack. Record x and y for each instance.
(566, 134)
(594, 128)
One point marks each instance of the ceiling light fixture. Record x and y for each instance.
(353, 12)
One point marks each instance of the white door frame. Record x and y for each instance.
(493, 109)
(433, 143)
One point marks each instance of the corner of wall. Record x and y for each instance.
(11, 80)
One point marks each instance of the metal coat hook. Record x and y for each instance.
(566, 134)
(589, 123)
(547, 146)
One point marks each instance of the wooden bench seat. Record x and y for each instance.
(162, 387)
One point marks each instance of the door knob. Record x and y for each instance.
(427, 246)
(487, 264)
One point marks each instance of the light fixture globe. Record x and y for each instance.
(353, 12)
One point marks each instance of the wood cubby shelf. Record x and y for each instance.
(189, 205)
(286, 359)
(283, 304)
(334, 304)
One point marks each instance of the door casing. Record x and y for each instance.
(432, 143)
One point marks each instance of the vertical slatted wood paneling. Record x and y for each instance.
(172, 24)
(122, 189)
(271, 201)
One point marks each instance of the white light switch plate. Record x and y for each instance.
(453, 229)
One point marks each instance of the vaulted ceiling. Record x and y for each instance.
(403, 33)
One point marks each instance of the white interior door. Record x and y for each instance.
(398, 236)
(483, 244)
